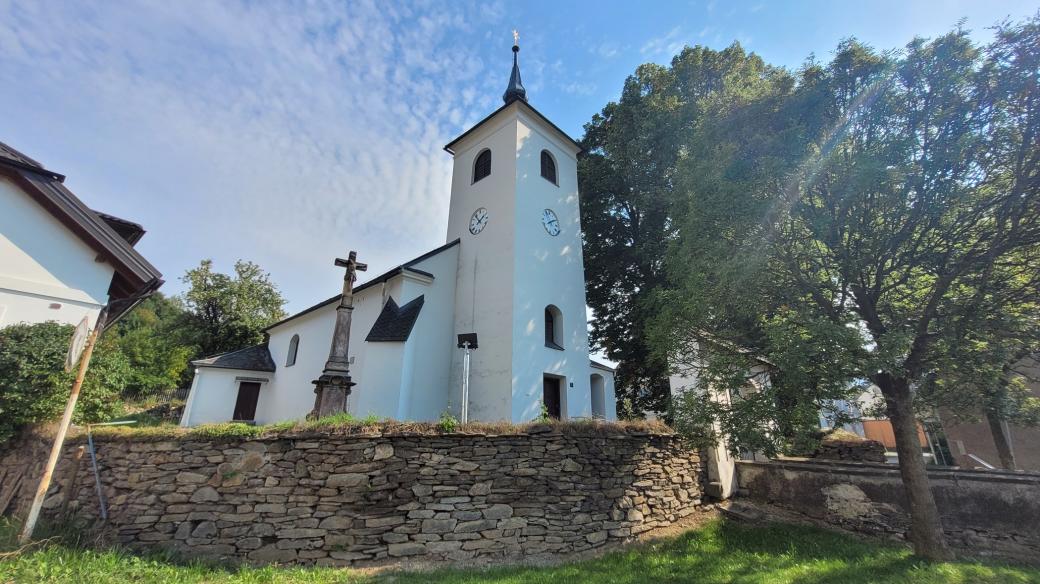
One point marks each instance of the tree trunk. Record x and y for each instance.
(925, 526)
(1000, 439)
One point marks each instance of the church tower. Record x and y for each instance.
(520, 282)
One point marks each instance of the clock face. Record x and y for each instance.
(478, 221)
(550, 222)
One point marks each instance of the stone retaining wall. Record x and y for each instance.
(338, 500)
(983, 512)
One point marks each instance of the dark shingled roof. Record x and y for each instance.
(598, 365)
(395, 323)
(255, 358)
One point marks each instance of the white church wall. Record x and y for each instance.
(42, 263)
(377, 366)
(427, 390)
(484, 286)
(548, 270)
(214, 392)
(291, 395)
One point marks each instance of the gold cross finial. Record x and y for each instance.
(516, 37)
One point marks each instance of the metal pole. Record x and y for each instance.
(97, 475)
(59, 439)
(465, 383)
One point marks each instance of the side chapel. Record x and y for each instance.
(511, 271)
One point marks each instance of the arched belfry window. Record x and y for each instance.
(553, 327)
(548, 167)
(294, 346)
(482, 166)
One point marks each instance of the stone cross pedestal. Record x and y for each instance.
(333, 386)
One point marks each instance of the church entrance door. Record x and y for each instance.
(551, 396)
(245, 405)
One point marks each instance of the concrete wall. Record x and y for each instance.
(483, 302)
(213, 394)
(431, 346)
(42, 263)
(548, 270)
(333, 499)
(983, 512)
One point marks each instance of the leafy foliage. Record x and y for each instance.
(34, 386)
(225, 312)
(627, 180)
(877, 221)
(154, 340)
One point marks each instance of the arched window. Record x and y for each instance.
(548, 167)
(482, 166)
(294, 346)
(553, 327)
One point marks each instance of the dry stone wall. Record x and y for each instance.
(983, 512)
(332, 499)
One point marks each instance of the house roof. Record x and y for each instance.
(405, 267)
(598, 365)
(112, 238)
(449, 147)
(395, 323)
(255, 358)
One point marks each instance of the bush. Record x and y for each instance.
(34, 385)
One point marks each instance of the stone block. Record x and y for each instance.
(439, 525)
(405, 549)
(499, 511)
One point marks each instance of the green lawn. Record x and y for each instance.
(717, 552)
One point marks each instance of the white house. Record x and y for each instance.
(511, 271)
(59, 260)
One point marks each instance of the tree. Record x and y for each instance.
(225, 313)
(34, 385)
(154, 339)
(626, 179)
(864, 226)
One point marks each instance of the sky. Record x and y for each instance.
(286, 133)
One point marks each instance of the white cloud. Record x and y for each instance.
(276, 132)
(668, 44)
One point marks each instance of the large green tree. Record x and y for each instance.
(627, 181)
(229, 312)
(879, 222)
(155, 339)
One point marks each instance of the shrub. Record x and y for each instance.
(34, 385)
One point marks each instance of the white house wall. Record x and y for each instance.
(42, 264)
(214, 392)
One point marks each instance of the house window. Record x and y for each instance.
(548, 167)
(294, 345)
(482, 166)
(553, 328)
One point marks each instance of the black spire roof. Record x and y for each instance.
(516, 89)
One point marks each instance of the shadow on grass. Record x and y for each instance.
(729, 552)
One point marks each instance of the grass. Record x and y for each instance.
(719, 552)
(348, 424)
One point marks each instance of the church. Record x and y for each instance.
(510, 277)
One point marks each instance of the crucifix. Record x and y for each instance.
(333, 387)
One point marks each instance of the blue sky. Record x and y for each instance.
(287, 133)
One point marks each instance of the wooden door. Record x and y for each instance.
(551, 396)
(245, 405)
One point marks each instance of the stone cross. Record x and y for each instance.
(333, 387)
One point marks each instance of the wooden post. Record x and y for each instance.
(59, 439)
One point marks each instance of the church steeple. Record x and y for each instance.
(516, 89)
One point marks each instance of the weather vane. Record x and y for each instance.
(516, 37)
